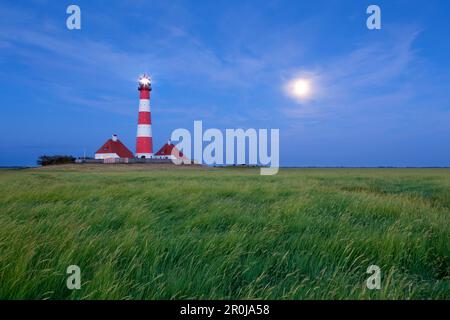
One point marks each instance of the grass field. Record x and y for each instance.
(139, 232)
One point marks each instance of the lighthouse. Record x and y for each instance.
(144, 140)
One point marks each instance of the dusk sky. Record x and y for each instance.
(378, 97)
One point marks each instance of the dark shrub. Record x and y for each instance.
(50, 160)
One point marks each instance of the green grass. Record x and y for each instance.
(143, 233)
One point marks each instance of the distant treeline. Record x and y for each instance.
(57, 159)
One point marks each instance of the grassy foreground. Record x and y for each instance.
(139, 232)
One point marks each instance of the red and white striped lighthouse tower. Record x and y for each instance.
(144, 140)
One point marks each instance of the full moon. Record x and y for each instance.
(300, 88)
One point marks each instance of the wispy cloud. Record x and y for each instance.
(373, 74)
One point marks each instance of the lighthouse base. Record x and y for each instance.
(144, 155)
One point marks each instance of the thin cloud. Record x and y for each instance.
(363, 78)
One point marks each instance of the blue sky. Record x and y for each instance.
(381, 98)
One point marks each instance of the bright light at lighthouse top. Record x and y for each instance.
(145, 82)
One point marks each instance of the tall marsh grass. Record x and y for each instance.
(143, 233)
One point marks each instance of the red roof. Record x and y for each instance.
(117, 147)
(167, 150)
